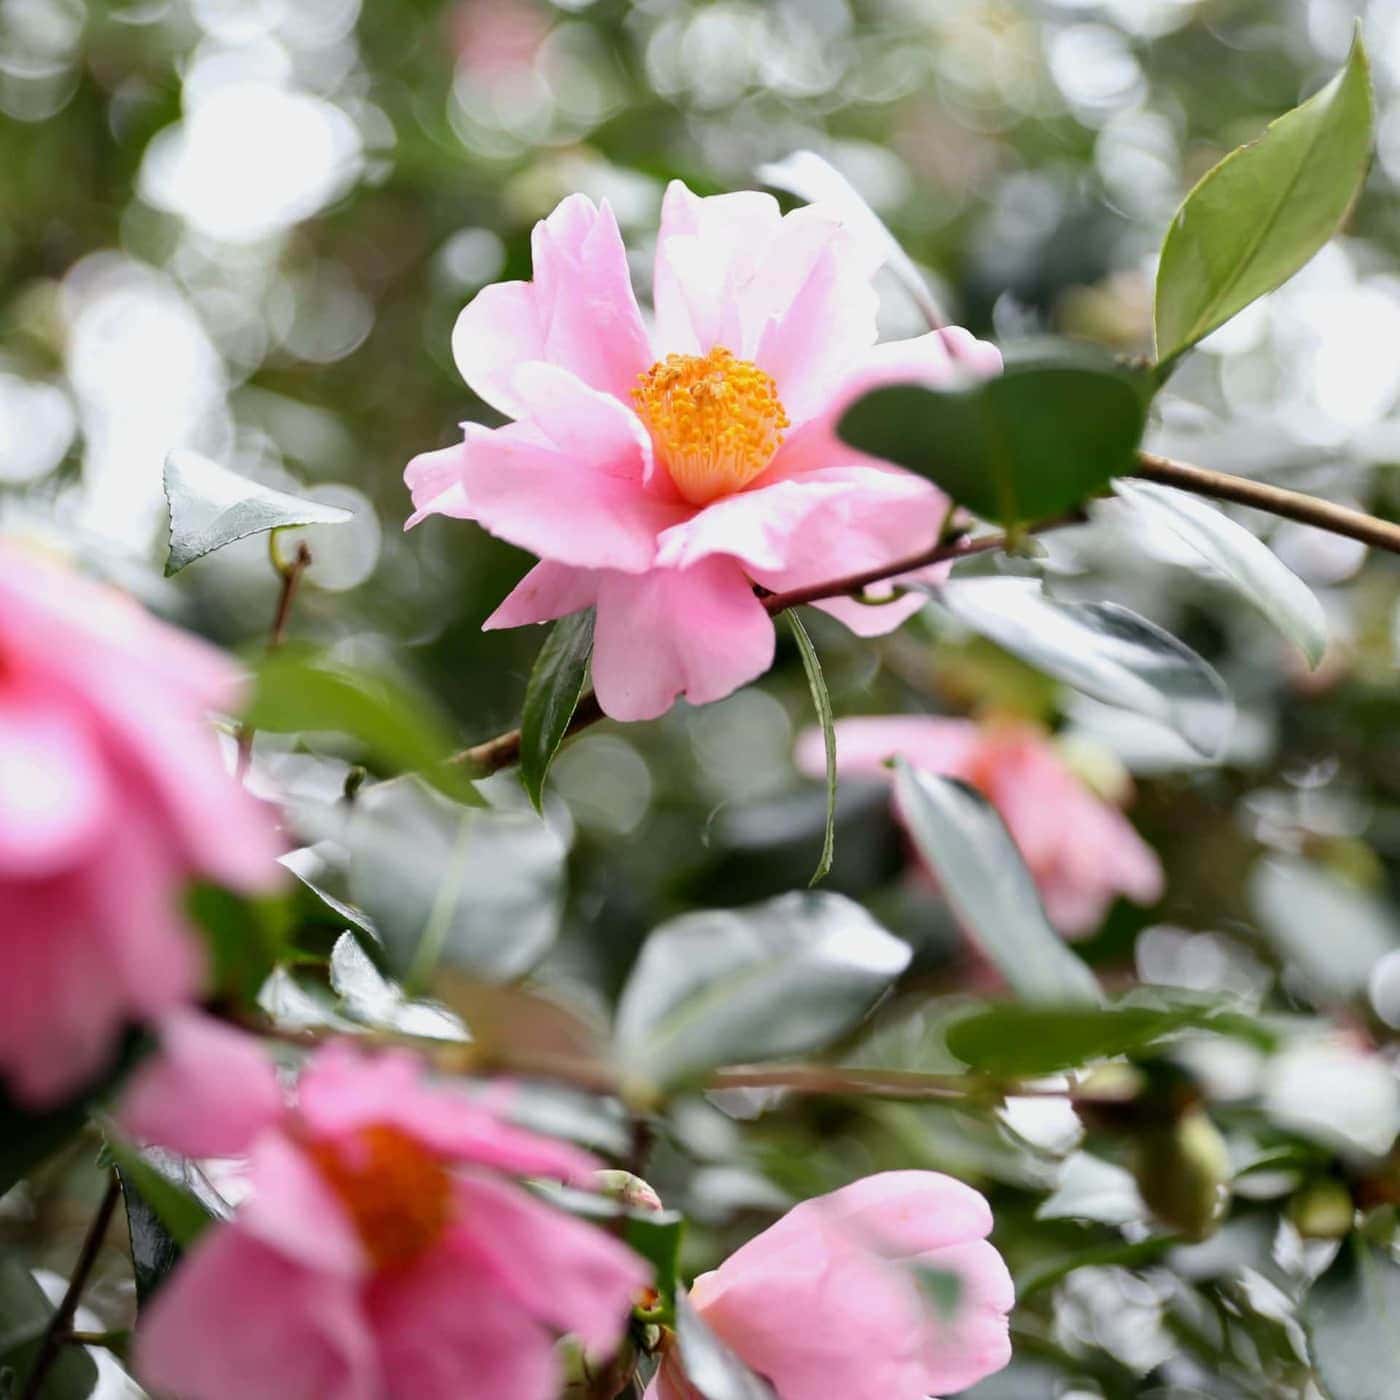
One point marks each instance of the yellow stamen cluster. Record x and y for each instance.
(398, 1192)
(714, 419)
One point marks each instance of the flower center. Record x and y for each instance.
(715, 421)
(398, 1193)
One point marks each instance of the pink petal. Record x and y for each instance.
(706, 251)
(699, 632)
(591, 1276)
(570, 484)
(579, 313)
(208, 1091)
(343, 1089)
(864, 744)
(434, 480)
(548, 591)
(446, 1332)
(55, 792)
(238, 1319)
(291, 1209)
(974, 1341)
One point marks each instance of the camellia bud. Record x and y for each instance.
(1322, 1210)
(631, 1191)
(1183, 1172)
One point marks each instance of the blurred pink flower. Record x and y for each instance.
(495, 38)
(830, 1302)
(380, 1252)
(1082, 851)
(113, 795)
(660, 476)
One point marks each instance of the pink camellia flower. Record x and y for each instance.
(381, 1252)
(659, 476)
(113, 795)
(1082, 851)
(830, 1300)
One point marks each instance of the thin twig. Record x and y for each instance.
(61, 1323)
(290, 572)
(504, 750)
(1291, 505)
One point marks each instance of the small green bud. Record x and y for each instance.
(1322, 1210)
(1183, 1172)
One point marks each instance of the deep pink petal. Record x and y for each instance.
(592, 1277)
(344, 1088)
(579, 313)
(697, 632)
(292, 1209)
(239, 1319)
(445, 1331)
(55, 790)
(548, 591)
(208, 1091)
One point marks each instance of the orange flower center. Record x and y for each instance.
(398, 1193)
(715, 421)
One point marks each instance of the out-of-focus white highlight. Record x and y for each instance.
(250, 159)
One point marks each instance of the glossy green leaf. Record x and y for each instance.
(1352, 1317)
(1031, 1040)
(298, 693)
(164, 1215)
(724, 986)
(712, 1369)
(244, 936)
(25, 1312)
(211, 506)
(981, 872)
(821, 699)
(1102, 649)
(477, 889)
(1121, 1254)
(551, 697)
(1090, 1188)
(1240, 557)
(1037, 440)
(1265, 210)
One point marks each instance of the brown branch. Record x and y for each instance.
(504, 750)
(61, 1323)
(1291, 505)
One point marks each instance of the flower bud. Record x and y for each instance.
(1322, 1210)
(1183, 1171)
(628, 1190)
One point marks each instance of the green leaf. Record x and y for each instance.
(1240, 557)
(551, 697)
(981, 872)
(723, 986)
(169, 1203)
(244, 935)
(211, 506)
(1352, 1317)
(1333, 931)
(1037, 440)
(1263, 212)
(1103, 650)
(821, 698)
(479, 889)
(1031, 1040)
(1092, 1189)
(1122, 1254)
(178, 1194)
(714, 1370)
(25, 1312)
(296, 692)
